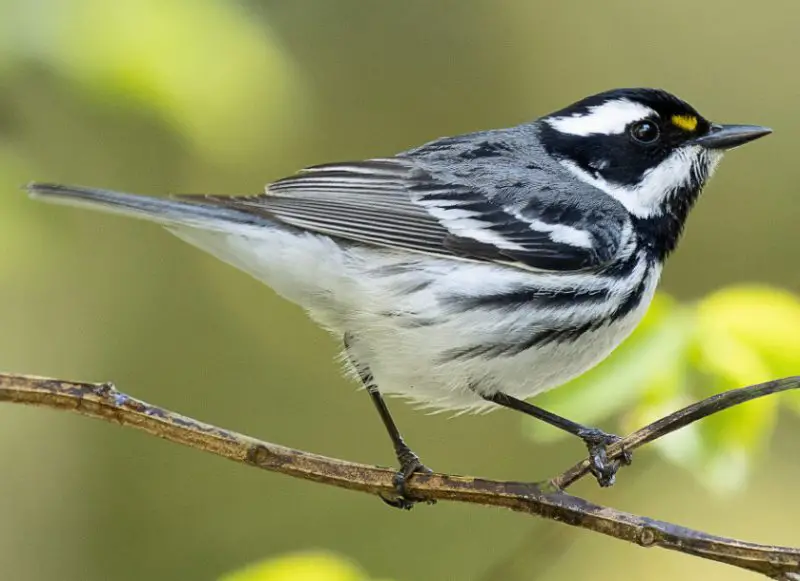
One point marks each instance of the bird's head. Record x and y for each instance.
(646, 148)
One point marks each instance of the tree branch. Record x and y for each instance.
(545, 499)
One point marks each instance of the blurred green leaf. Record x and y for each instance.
(667, 393)
(751, 333)
(736, 337)
(653, 350)
(718, 450)
(731, 438)
(311, 566)
(208, 67)
(743, 335)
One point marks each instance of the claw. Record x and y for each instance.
(603, 469)
(626, 458)
(409, 465)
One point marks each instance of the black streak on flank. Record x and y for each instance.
(486, 149)
(632, 300)
(529, 297)
(556, 335)
(473, 351)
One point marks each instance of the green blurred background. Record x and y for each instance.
(158, 96)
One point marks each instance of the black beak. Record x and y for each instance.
(730, 136)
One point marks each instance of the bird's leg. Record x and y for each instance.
(409, 461)
(596, 440)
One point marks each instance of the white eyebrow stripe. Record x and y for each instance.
(609, 118)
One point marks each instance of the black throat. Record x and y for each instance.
(660, 234)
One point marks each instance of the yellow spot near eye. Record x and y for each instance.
(685, 122)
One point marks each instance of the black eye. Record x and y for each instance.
(644, 132)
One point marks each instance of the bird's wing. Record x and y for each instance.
(391, 203)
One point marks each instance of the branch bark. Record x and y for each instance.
(545, 499)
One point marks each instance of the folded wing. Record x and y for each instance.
(394, 204)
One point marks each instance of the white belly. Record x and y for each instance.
(392, 305)
(416, 374)
(410, 360)
(407, 362)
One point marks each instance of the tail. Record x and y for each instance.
(164, 211)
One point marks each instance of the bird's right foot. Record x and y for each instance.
(603, 469)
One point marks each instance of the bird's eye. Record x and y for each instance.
(644, 132)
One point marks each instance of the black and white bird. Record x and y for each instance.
(474, 271)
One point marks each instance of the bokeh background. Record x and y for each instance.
(222, 96)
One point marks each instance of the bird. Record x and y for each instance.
(472, 272)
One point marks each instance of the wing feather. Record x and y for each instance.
(392, 203)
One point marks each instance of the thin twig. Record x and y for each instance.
(677, 420)
(542, 499)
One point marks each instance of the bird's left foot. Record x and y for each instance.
(603, 469)
(409, 465)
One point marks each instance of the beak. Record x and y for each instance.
(730, 136)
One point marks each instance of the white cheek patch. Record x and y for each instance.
(646, 198)
(610, 118)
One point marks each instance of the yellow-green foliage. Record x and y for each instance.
(735, 337)
(310, 566)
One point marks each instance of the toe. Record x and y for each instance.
(401, 499)
(397, 501)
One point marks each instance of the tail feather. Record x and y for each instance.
(161, 210)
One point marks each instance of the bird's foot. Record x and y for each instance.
(409, 465)
(603, 469)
